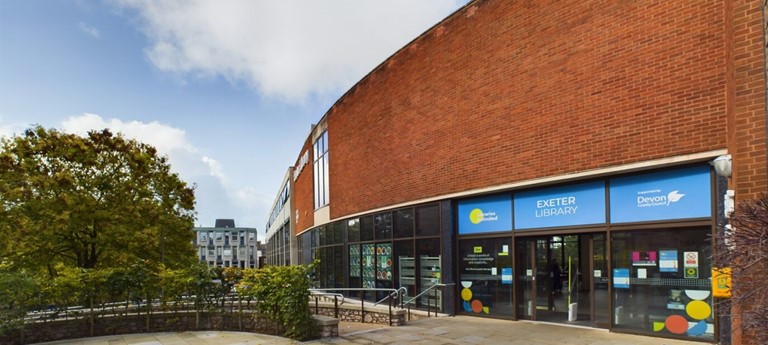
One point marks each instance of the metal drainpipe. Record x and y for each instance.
(765, 71)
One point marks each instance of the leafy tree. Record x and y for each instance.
(91, 202)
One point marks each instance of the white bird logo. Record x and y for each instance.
(674, 196)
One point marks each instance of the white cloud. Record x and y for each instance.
(10, 129)
(89, 30)
(215, 193)
(286, 49)
(170, 141)
(215, 168)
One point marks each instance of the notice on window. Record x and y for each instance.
(643, 258)
(506, 275)
(621, 278)
(668, 261)
(691, 259)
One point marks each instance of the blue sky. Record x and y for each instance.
(227, 89)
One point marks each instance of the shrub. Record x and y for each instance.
(282, 296)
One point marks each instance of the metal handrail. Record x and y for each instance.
(326, 294)
(397, 293)
(427, 290)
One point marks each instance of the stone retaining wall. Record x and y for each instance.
(354, 313)
(159, 322)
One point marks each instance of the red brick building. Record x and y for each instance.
(586, 128)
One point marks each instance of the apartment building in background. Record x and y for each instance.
(226, 245)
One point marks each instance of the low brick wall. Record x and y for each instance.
(159, 322)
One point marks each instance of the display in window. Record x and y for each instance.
(369, 268)
(354, 261)
(693, 321)
(384, 262)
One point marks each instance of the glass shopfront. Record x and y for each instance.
(385, 250)
(629, 253)
(661, 282)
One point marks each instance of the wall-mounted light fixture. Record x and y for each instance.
(724, 168)
(723, 165)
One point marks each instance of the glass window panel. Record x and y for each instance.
(326, 184)
(382, 224)
(338, 233)
(403, 223)
(405, 266)
(317, 184)
(428, 220)
(338, 266)
(355, 268)
(353, 230)
(366, 228)
(323, 235)
(661, 282)
(428, 270)
(485, 269)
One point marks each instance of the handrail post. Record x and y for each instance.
(390, 311)
(362, 308)
(335, 307)
(409, 312)
(437, 307)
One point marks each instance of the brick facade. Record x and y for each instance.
(503, 92)
(302, 201)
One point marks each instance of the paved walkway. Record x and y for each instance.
(442, 330)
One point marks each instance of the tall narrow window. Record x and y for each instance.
(320, 149)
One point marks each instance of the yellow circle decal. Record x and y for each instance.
(476, 216)
(466, 294)
(698, 310)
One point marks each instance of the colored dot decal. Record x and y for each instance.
(676, 324)
(467, 307)
(476, 216)
(698, 310)
(477, 306)
(658, 326)
(698, 329)
(466, 294)
(697, 294)
(486, 310)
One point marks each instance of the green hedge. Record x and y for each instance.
(282, 294)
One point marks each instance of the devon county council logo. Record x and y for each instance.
(648, 199)
(477, 216)
(674, 196)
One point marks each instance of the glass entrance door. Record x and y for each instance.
(563, 279)
(526, 279)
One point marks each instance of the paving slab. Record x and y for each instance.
(459, 330)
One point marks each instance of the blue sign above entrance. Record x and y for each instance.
(579, 204)
(488, 214)
(676, 194)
